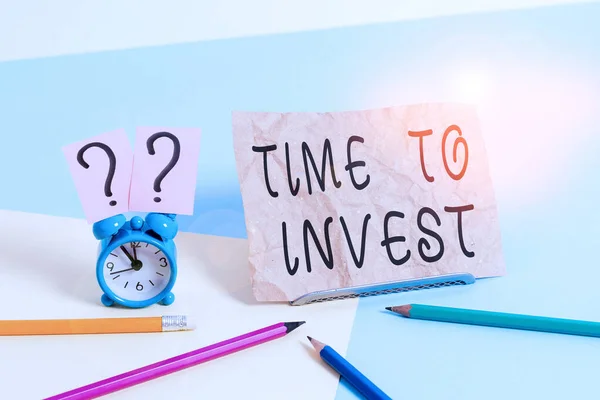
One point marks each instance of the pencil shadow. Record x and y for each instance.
(315, 356)
(330, 370)
(351, 389)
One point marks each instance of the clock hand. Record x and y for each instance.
(137, 264)
(118, 272)
(127, 254)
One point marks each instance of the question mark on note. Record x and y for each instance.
(111, 166)
(170, 165)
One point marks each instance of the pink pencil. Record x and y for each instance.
(178, 363)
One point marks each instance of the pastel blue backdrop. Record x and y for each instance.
(549, 216)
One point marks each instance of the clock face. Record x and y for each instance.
(137, 271)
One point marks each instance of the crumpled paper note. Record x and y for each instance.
(341, 199)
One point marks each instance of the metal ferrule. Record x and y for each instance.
(172, 323)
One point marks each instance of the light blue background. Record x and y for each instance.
(551, 245)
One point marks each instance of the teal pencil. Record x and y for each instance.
(498, 319)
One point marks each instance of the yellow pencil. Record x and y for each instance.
(168, 323)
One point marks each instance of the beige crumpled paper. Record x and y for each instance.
(413, 191)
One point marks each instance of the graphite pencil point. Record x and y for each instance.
(403, 310)
(316, 344)
(293, 325)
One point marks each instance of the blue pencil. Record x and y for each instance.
(498, 319)
(348, 372)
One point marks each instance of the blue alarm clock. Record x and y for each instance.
(137, 259)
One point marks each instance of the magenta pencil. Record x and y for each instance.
(177, 363)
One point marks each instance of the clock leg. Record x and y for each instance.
(168, 299)
(107, 301)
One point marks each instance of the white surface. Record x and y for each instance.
(47, 271)
(47, 263)
(37, 28)
(191, 322)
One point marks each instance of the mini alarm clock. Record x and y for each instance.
(137, 259)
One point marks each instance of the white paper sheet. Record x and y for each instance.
(47, 270)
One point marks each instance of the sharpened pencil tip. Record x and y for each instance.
(293, 325)
(402, 310)
(316, 344)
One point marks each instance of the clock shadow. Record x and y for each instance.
(222, 260)
(57, 260)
